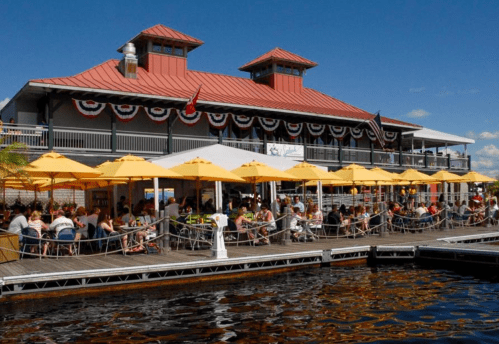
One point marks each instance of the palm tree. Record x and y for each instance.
(13, 159)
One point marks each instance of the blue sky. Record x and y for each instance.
(433, 63)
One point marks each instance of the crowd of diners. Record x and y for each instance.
(251, 218)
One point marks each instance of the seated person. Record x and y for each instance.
(421, 209)
(106, 223)
(316, 217)
(240, 220)
(209, 207)
(265, 215)
(37, 224)
(299, 226)
(18, 222)
(61, 222)
(80, 220)
(335, 218)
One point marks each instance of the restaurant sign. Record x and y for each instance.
(285, 150)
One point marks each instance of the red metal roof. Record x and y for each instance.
(279, 54)
(216, 88)
(163, 32)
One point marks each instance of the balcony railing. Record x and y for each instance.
(98, 140)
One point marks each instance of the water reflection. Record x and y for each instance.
(340, 305)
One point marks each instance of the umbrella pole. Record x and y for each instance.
(51, 198)
(198, 186)
(304, 191)
(254, 196)
(332, 190)
(129, 196)
(109, 199)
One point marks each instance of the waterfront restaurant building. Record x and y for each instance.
(135, 105)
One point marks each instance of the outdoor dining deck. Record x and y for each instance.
(181, 266)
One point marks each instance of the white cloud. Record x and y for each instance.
(484, 135)
(3, 103)
(482, 163)
(489, 150)
(417, 90)
(420, 113)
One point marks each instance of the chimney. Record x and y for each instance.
(128, 64)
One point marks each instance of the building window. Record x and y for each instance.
(167, 49)
(156, 48)
(280, 69)
(179, 51)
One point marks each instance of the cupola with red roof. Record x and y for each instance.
(162, 50)
(280, 69)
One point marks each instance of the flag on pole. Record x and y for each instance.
(190, 108)
(376, 127)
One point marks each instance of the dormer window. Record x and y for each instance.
(168, 49)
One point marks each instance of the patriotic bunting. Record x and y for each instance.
(89, 108)
(158, 115)
(217, 120)
(390, 136)
(316, 130)
(125, 113)
(293, 129)
(269, 124)
(356, 133)
(338, 132)
(371, 135)
(191, 119)
(243, 122)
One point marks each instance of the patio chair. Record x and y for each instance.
(66, 240)
(426, 221)
(400, 223)
(31, 239)
(113, 241)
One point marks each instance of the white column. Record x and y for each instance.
(156, 194)
(465, 150)
(218, 197)
(272, 198)
(319, 194)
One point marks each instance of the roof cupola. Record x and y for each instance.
(280, 69)
(162, 50)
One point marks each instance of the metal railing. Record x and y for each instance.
(183, 142)
(252, 146)
(82, 140)
(131, 142)
(99, 140)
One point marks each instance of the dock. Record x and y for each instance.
(35, 278)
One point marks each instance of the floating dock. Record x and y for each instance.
(34, 278)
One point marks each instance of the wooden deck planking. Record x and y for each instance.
(85, 262)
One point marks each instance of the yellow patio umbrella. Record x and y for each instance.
(257, 172)
(134, 168)
(306, 172)
(331, 183)
(444, 176)
(358, 175)
(475, 177)
(199, 169)
(54, 165)
(414, 177)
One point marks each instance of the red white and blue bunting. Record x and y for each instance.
(89, 108)
(338, 132)
(293, 129)
(269, 124)
(191, 119)
(371, 135)
(356, 133)
(157, 114)
(243, 122)
(390, 136)
(315, 130)
(125, 113)
(218, 120)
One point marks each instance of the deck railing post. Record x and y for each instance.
(286, 239)
(445, 213)
(487, 215)
(383, 229)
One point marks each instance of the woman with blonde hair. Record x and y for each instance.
(38, 225)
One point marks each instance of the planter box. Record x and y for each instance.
(9, 247)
